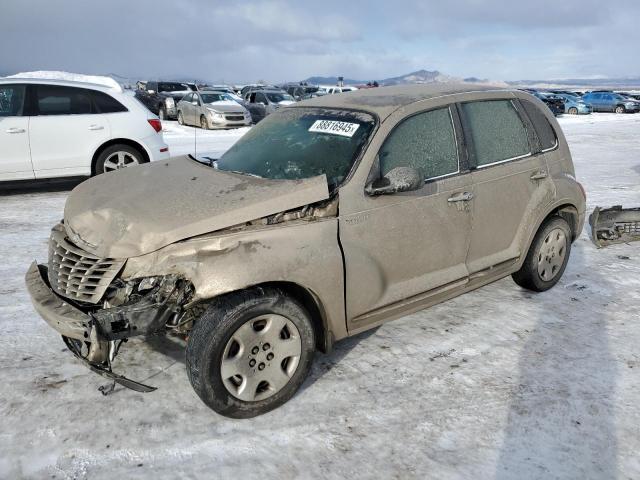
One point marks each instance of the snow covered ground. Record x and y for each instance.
(499, 383)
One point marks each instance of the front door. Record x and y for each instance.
(402, 246)
(509, 183)
(65, 131)
(15, 158)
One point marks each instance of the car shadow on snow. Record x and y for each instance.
(174, 348)
(41, 186)
(561, 421)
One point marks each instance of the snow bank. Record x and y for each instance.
(73, 77)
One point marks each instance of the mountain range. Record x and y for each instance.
(434, 76)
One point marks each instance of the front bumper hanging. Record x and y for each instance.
(614, 225)
(75, 326)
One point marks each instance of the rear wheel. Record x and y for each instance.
(547, 257)
(250, 352)
(620, 109)
(573, 111)
(117, 157)
(204, 124)
(180, 118)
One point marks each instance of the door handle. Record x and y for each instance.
(16, 130)
(96, 127)
(539, 176)
(461, 197)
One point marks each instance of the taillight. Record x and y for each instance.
(155, 124)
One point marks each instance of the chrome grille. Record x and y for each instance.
(77, 274)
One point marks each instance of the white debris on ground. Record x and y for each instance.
(499, 383)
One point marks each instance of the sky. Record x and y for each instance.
(289, 40)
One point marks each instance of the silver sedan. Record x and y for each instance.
(212, 109)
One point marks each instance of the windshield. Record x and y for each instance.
(213, 97)
(278, 97)
(297, 143)
(174, 87)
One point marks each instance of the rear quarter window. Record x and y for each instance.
(546, 134)
(106, 103)
(496, 131)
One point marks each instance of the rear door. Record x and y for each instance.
(405, 247)
(15, 158)
(65, 131)
(510, 181)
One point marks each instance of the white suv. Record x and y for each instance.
(56, 128)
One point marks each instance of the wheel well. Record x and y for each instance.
(117, 141)
(570, 214)
(313, 305)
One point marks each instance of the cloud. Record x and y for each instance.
(280, 40)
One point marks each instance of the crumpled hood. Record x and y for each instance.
(140, 209)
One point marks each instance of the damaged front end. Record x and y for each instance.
(94, 333)
(614, 225)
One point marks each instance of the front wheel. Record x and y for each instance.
(250, 352)
(180, 117)
(204, 124)
(620, 109)
(573, 111)
(547, 257)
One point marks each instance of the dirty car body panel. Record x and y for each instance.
(180, 234)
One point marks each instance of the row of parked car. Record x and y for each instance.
(221, 106)
(581, 103)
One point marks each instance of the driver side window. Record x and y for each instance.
(426, 142)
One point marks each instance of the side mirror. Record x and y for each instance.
(399, 179)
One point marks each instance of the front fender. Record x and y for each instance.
(302, 252)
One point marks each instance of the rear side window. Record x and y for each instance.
(497, 132)
(106, 103)
(546, 133)
(57, 100)
(426, 142)
(11, 100)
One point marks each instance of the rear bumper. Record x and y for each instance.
(65, 319)
(156, 147)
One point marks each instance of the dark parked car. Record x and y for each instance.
(162, 97)
(604, 101)
(554, 102)
(265, 101)
(299, 91)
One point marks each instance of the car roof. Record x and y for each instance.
(382, 101)
(64, 83)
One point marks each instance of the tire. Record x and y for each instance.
(573, 111)
(230, 329)
(547, 257)
(204, 123)
(180, 118)
(162, 114)
(620, 109)
(117, 157)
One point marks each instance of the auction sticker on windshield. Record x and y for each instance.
(334, 127)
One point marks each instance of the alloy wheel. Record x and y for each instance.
(119, 160)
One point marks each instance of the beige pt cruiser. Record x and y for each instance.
(329, 218)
